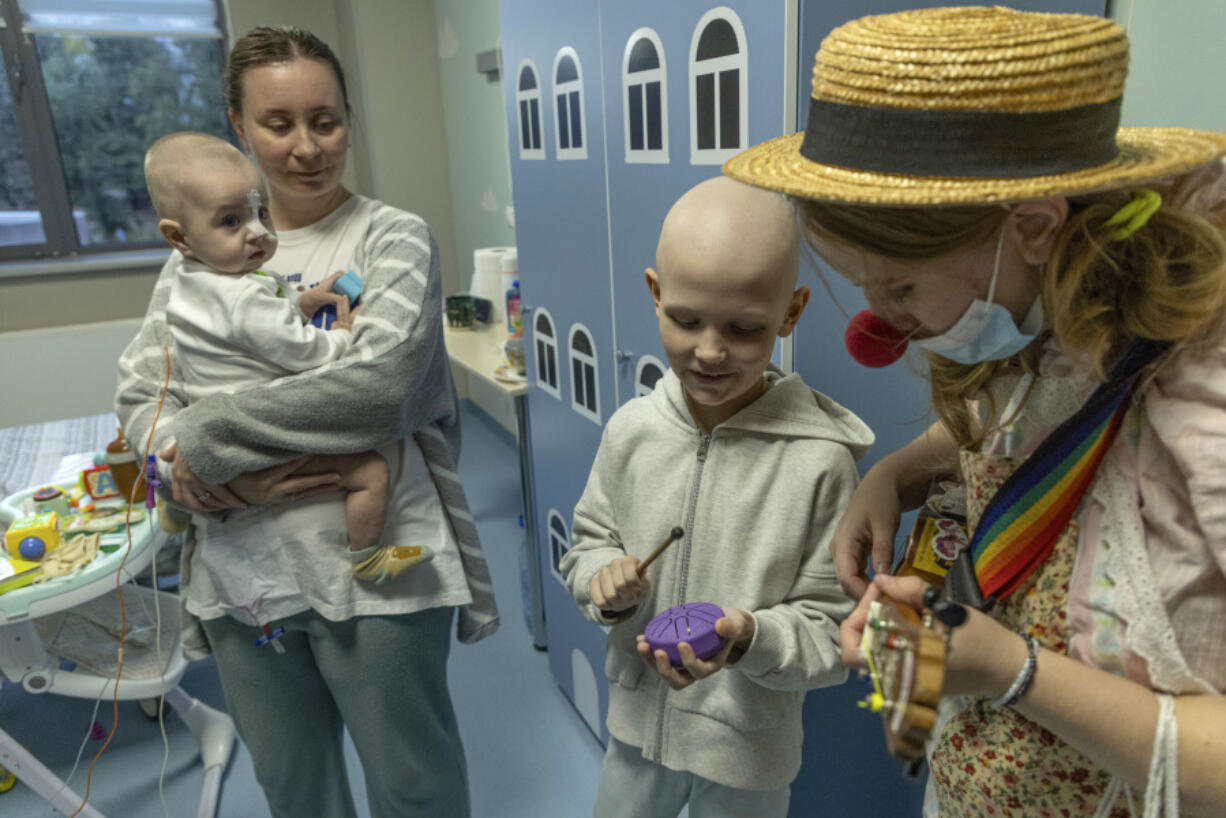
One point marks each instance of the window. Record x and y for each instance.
(647, 374)
(559, 543)
(719, 90)
(568, 94)
(645, 101)
(89, 85)
(528, 106)
(546, 346)
(585, 394)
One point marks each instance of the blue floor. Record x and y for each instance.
(529, 752)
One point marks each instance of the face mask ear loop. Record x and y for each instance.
(1000, 245)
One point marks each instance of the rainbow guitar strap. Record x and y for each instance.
(1021, 523)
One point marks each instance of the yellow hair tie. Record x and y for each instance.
(1133, 216)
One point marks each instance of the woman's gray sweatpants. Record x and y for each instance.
(382, 677)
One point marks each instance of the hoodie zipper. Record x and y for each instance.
(704, 444)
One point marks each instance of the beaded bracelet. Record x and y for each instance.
(1024, 677)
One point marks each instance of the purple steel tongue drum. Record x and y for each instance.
(692, 622)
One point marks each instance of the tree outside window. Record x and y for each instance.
(89, 88)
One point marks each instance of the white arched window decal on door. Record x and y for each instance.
(571, 124)
(585, 380)
(719, 88)
(647, 372)
(528, 112)
(645, 98)
(545, 344)
(559, 543)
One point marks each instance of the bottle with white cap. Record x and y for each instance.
(510, 286)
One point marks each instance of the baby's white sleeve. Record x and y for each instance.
(272, 329)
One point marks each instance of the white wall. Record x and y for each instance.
(60, 372)
(1177, 62)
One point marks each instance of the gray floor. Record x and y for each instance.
(529, 753)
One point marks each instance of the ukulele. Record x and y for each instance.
(906, 663)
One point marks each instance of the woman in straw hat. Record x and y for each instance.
(1067, 280)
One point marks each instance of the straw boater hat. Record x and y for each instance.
(969, 105)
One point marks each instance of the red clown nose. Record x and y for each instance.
(873, 342)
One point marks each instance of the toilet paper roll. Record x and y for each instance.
(487, 278)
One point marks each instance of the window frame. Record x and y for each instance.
(717, 65)
(644, 361)
(555, 556)
(61, 250)
(645, 155)
(574, 356)
(565, 89)
(529, 96)
(550, 343)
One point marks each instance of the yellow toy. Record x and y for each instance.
(31, 537)
(17, 573)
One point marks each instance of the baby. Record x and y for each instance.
(235, 326)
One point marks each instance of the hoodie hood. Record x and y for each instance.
(789, 408)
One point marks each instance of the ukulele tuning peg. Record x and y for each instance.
(950, 613)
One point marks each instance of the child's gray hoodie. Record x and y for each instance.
(759, 499)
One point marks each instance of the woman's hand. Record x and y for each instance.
(283, 483)
(867, 527)
(192, 492)
(983, 657)
(736, 627)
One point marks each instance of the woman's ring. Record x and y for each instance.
(204, 497)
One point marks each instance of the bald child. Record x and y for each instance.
(756, 468)
(235, 327)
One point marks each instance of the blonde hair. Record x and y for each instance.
(1167, 281)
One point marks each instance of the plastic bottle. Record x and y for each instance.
(508, 263)
(515, 321)
(121, 460)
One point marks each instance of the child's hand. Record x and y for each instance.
(345, 321)
(867, 528)
(312, 299)
(618, 585)
(736, 627)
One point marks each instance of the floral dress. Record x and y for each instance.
(989, 762)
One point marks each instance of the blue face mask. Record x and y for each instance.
(986, 331)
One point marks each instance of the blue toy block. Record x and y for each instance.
(349, 285)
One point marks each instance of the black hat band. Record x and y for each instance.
(961, 143)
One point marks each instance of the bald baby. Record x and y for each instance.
(724, 289)
(211, 203)
(178, 168)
